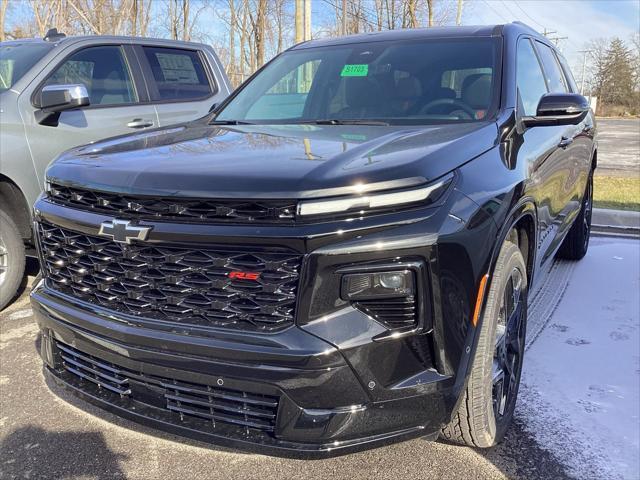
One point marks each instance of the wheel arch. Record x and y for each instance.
(15, 205)
(523, 220)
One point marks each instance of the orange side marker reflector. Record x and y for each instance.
(481, 288)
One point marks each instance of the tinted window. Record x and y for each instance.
(103, 70)
(551, 69)
(567, 74)
(16, 59)
(530, 80)
(178, 74)
(286, 99)
(399, 82)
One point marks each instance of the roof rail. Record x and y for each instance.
(53, 35)
(524, 25)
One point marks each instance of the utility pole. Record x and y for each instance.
(303, 20)
(584, 65)
(459, 15)
(548, 33)
(344, 17)
(307, 20)
(299, 21)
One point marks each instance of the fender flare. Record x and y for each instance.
(523, 208)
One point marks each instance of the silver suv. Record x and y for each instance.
(59, 92)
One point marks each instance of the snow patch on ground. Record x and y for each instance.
(580, 392)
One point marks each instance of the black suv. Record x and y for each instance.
(338, 257)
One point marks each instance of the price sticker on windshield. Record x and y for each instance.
(355, 70)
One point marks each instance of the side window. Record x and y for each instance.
(568, 75)
(102, 70)
(177, 74)
(555, 79)
(530, 80)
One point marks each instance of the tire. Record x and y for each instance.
(12, 259)
(576, 243)
(485, 411)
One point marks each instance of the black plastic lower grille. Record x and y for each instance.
(175, 209)
(189, 286)
(393, 312)
(214, 404)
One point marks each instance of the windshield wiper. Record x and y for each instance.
(335, 121)
(229, 122)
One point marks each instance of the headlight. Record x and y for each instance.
(391, 284)
(427, 194)
(47, 186)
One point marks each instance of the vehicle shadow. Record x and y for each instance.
(134, 427)
(33, 452)
(519, 456)
(31, 270)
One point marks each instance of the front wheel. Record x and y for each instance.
(12, 259)
(489, 399)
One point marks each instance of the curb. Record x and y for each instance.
(624, 223)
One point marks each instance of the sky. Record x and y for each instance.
(579, 20)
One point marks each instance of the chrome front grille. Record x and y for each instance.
(189, 286)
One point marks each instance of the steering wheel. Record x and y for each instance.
(453, 102)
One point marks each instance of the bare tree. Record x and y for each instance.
(44, 14)
(635, 47)
(410, 17)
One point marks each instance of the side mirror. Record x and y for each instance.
(559, 109)
(58, 98)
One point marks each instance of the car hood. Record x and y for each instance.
(274, 161)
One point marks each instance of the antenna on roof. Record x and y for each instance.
(52, 35)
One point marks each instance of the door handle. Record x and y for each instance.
(565, 142)
(140, 123)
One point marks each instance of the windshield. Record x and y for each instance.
(16, 59)
(387, 82)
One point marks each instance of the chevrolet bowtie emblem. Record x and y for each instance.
(122, 231)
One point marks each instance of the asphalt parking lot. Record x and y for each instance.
(618, 146)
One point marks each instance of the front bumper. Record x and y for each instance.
(338, 387)
(297, 431)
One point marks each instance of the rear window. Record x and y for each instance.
(178, 74)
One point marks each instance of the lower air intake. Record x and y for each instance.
(214, 404)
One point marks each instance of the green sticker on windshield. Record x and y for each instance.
(355, 70)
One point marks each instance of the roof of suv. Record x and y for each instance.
(99, 39)
(416, 33)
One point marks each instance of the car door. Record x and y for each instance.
(573, 171)
(115, 102)
(180, 82)
(542, 151)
